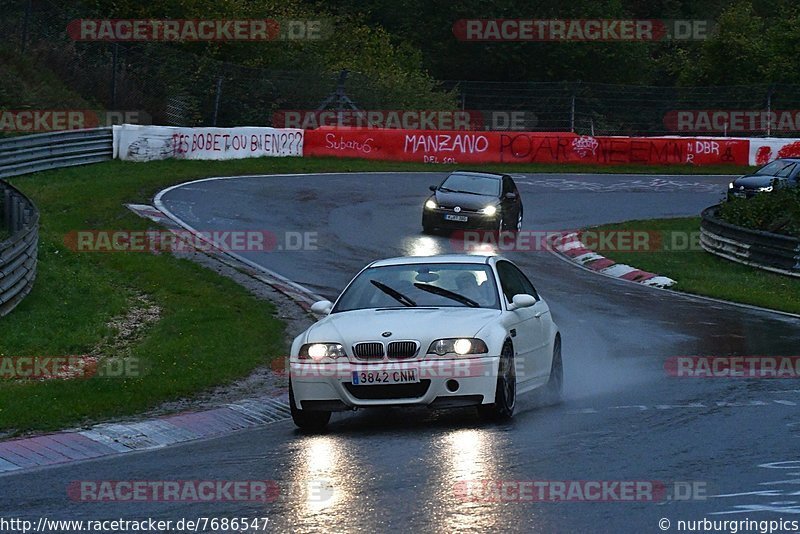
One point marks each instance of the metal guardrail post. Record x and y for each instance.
(6, 209)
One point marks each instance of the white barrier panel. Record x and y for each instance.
(764, 150)
(147, 143)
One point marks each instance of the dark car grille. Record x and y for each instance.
(399, 350)
(368, 351)
(389, 391)
(463, 209)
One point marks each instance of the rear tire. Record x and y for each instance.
(310, 421)
(553, 390)
(505, 397)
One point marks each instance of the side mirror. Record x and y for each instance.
(323, 307)
(522, 301)
(432, 187)
(510, 195)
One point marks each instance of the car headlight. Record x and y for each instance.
(765, 189)
(489, 210)
(431, 205)
(321, 351)
(461, 346)
(730, 185)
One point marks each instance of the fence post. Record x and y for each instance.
(25, 23)
(114, 54)
(572, 110)
(216, 101)
(769, 111)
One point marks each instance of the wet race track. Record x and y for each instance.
(622, 419)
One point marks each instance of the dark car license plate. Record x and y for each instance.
(459, 218)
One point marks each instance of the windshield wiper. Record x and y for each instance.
(395, 294)
(469, 193)
(436, 290)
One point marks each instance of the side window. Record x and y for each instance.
(513, 186)
(514, 282)
(508, 185)
(509, 282)
(526, 284)
(787, 171)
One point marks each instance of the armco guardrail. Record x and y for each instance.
(18, 252)
(772, 252)
(18, 215)
(41, 152)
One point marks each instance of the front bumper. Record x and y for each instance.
(330, 386)
(435, 218)
(743, 193)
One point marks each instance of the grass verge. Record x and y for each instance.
(210, 331)
(698, 272)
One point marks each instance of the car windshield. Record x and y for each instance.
(437, 285)
(777, 168)
(468, 183)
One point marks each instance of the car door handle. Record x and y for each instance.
(538, 315)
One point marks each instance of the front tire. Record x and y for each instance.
(311, 421)
(553, 390)
(505, 397)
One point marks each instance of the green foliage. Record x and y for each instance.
(33, 86)
(382, 64)
(777, 212)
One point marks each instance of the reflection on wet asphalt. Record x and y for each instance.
(623, 419)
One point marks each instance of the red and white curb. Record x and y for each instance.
(119, 438)
(569, 246)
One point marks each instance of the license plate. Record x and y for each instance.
(398, 376)
(459, 218)
(739, 194)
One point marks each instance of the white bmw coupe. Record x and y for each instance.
(438, 331)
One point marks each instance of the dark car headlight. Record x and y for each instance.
(490, 210)
(431, 204)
